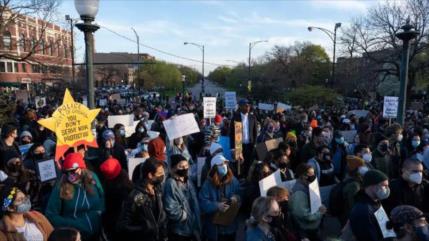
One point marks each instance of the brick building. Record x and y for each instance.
(49, 47)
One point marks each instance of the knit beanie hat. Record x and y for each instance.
(373, 177)
(354, 162)
(110, 168)
(25, 133)
(291, 136)
(405, 214)
(218, 119)
(73, 161)
(175, 159)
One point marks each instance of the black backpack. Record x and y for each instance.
(336, 198)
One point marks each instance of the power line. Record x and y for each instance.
(159, 50)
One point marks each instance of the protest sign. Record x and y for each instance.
(382, 220)
(22, 95)
(230, 100)
(238, 140)
(132, 164)
(358, 113)
(25, 148)
(129, 130)
(390, 106)
(272, 180)
(263, 148)
(266, 107)
(46, 170)
(126, 120)
(182, 125)
(40, 102)
(102, 102)
(349, 136)
(273, 143)
(315, 199)
(71, 123)
(200, 164)
(209, 105)
(224, 141)
(282, 107)
(114, 97)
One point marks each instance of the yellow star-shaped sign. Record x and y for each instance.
(71, 123)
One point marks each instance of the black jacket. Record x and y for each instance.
(139, 220)
(402, 194)
(253, 131)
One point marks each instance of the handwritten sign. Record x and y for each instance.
(238, 139)
(40, 102)
(230, 100)
(264, 106)
(46, 170)
(272, 180)
(132, 164)
(209, 104)
(382, 219)
(282, 107)
(181, 125)
(390, 106)
(126, 120)
(315, 199)
(71, 123)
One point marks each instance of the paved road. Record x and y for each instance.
(210, 88)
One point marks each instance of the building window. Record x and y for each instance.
(9, 67)
(22, 44)
(24, 67)
(15, 67)
(2, 67)
(7, 40)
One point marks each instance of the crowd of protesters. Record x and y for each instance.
(93, 197)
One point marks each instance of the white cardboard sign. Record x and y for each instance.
(315, 199)
(126, 120)
(265, 106)
(182, 125)
(272, 180)
(132, 164)
(47, 170)
(209, 104)
(230, 100)
(382, 219)
(390, 106)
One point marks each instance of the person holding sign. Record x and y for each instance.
(409, 223)
(299, 204)
(19, 222)
(219, 193)
(181, 203)
(78, 199)
(362, 220)
(265, 214)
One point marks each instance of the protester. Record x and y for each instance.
(409, 223)
(299, 204)
(65, 234)
(265, 213)
(322, 164)
(142, 216)
(77, 200)
(382, 158)
(219, 192)
(111, 148)
(138, 136)
(181, 203)
(8, 146)
(282, 162)
(18, 221)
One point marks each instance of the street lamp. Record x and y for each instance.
(87, 10)
(251, 45)
(406, 35)
(71, 20)
(201, 46)
(333, 37)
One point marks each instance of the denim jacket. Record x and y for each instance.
(181, 206)
(209, 197)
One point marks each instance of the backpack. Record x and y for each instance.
(336, 198)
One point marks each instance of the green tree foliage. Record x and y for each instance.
(220, 75)
(309, 95)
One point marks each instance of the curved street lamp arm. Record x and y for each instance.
(326, 31)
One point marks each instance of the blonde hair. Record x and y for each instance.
(67, 189)
(260, 207)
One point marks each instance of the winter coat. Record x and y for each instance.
(256, 234)
(8, 231)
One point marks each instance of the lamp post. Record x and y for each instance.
(201, 46)
(87, 10)
(251, 45)
(333, 37)
(71, 20)
(406, 35)
(138, 50)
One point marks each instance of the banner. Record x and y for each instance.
(265, 106)
(71, 123)
(209, 104)
(46, 170)
(230, 100)
(390, 106)
(182, 125)
(126, 120)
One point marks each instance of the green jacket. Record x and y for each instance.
(82, 212)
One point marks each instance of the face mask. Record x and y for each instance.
(367, 157)
(284, 206)
(182, 172)
(383, 147)
(15, 167)
(40, 156)
(399, 138)
(415, 143)
(311, 179)
(24, 207)
(276, 221)
(73, 178)
(422, 233)
(122, 132)
(141, 130)
(222, 170)
(416, 178)
(340, 141)
(157, 180)
(382, 193)
(363, 170)
(282, 165)
(326, 157)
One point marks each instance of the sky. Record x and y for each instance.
(224, 27)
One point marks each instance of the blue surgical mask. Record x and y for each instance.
(340, 141)
(222, 170)
(415, 143)
(422, 233)
(141, 130)
(122, 132)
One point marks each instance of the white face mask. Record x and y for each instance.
(400, 137)
(367, 157)
(363, 170)
(416, 178)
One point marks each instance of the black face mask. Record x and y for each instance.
(157, 180)
(384, 147)
(284, 206)
(15, 167)
(276, 221)
(40, 156)
(283, 165)
(182, 172)
(311, 179)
